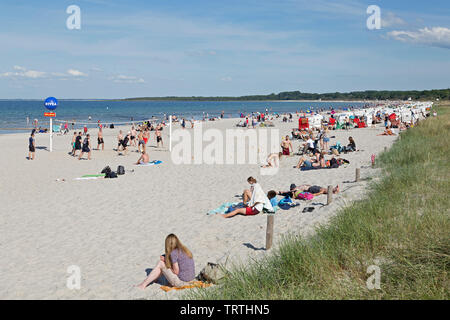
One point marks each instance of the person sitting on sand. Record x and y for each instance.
(351, 146)
(309, 145)
(253, 199)
(177, 265)
(387, 132)
(144, 158)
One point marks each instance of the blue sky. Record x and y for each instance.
(227, 48)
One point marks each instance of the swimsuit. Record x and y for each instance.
(251, 211)
(313, 189)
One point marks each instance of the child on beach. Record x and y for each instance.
(177, 264)
(31, 147)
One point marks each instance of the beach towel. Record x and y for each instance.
(93, 175)
(224, 208)
(192, 284)
(151, 163)
(89, 178)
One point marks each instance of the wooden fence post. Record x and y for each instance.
(329, 195)
(358, 174)
(269, 231)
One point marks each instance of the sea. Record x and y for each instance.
(19, 114)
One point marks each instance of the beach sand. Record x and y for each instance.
(114, 229)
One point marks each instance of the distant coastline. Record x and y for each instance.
(297, 96)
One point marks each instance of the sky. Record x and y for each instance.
(220, 48)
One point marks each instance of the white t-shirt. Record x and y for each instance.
(310, 142)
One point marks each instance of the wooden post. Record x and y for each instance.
(269, 231)
(358, 174)
(385, 149)
(329, 195)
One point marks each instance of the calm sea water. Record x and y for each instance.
(14, 113)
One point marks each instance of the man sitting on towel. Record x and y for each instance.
(144, 159)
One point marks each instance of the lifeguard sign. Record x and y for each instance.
(51, 103)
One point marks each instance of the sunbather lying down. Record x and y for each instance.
(387, 132)
(315, 190)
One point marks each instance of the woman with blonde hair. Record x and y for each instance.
(177, 264)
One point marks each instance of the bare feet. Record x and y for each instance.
(336, 189)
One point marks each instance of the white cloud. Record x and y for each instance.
(126, 79)
(76, 73)
(389, 19)
(96, 69)
(435, 37)
(22, 72)
(227, 79)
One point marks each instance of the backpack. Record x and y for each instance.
(106, 170)
(120, 170)
(212, 273)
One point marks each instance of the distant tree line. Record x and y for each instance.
(442, 94)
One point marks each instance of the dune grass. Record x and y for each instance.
(402, 226)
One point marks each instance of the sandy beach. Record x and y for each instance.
(114, 229)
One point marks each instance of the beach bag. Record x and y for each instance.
(111, 175)
(212, 273)
(106, 170)
(285, 203)
(120, 170)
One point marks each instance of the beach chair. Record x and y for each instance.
(56, 128)
(303, 123)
